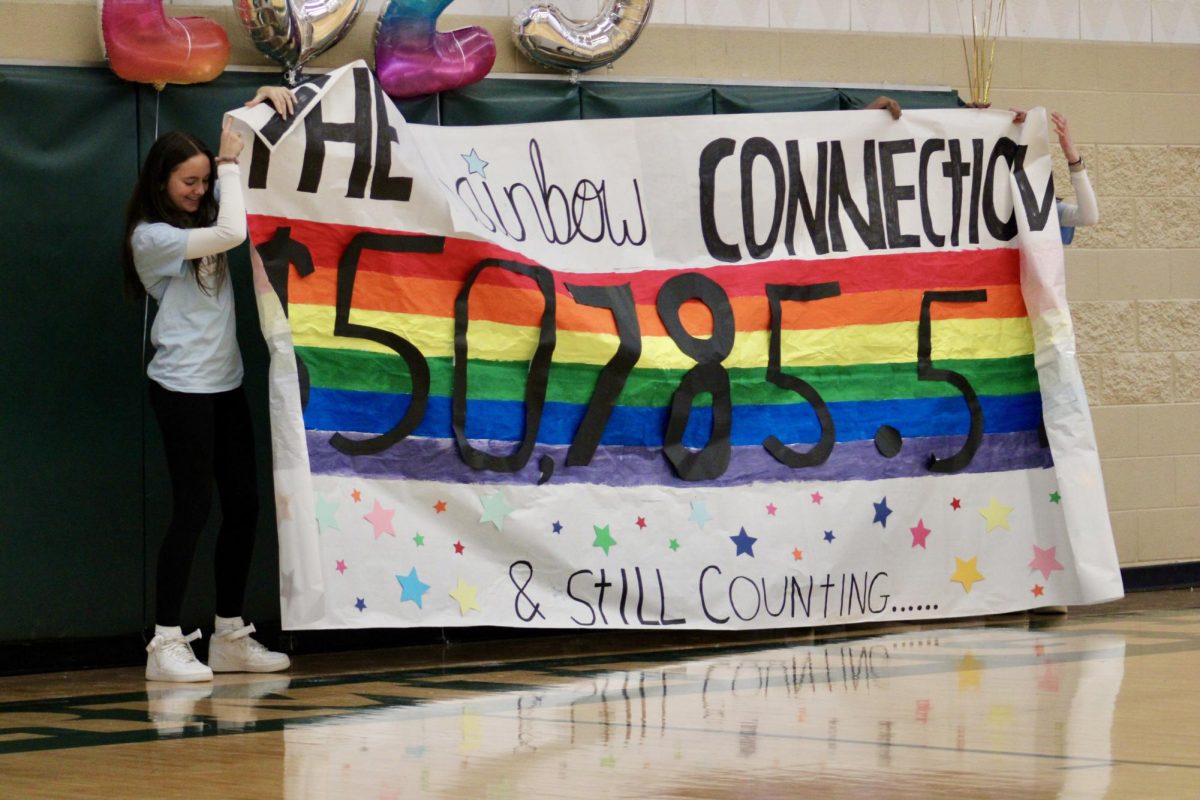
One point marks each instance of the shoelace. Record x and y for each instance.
(177, 646)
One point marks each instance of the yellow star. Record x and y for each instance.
(970, 669)
(965, 573)
(996, 515)
(464, 594)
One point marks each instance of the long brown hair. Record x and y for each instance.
(150, 203)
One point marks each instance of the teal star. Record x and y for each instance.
(327, 514)
(674, 545)
(475, 164)
(1055, 497)
(604, 539)
(411, 587)
(495, 509)
(700, 513)
(420, 540)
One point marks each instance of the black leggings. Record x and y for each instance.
(207, 437)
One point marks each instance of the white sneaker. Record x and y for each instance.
(170, 658)
(236, 651)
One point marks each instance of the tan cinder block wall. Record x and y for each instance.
(1133, 281)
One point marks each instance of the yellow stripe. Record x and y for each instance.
(312, 326)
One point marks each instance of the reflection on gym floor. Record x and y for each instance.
(1094, 706)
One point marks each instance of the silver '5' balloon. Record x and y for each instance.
(293, 32)
(545, 36)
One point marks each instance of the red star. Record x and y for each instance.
(1037, 590)
(641, 522)
(956, 504)
(357, 495)
(439, 506)
(771, 509)
(459, 547)
(816, 497)
(797, 554)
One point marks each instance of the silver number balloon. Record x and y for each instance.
(547, 37)
(293, 32)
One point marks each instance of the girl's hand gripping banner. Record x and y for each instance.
(710, 372)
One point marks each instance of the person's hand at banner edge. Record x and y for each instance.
(887, 103)
(280, 97)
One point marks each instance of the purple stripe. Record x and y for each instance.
(438, 460)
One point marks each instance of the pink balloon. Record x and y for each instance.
(412, 58)
(143, 44)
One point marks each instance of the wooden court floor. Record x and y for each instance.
(1102, 703)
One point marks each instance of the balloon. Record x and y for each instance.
(143, 44)
(413, 58)
(293, 32)
(545, 36)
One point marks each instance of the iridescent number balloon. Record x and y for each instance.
(413, 58)
(143, 44)
(547, 37)
(293, 32)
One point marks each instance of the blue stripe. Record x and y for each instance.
(503, 420)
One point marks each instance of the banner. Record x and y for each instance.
(738, 371)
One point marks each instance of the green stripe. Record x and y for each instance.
(573, 383)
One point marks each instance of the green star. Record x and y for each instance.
(1055, 497)
(495, 509)
(420, 540)
(608, 761)
(674, 545)
(604, 539)
(326, 515)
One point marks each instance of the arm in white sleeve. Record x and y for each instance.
(1085, 210)
(230, 228)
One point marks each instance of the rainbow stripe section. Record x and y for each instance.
(858, 350)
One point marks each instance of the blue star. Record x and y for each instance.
(557, 526)
(881, 512)
(475, 164)
(700, 513)
(360, 604)
(412, 588)
(829, 537)
(744, 542)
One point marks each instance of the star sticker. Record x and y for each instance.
(829, 537)
(411, 587)
(327, 514)
(475, 164)
(439, 506)
(1044, 561)
(495, 509)
(459, 547)
(641, 522)
(956, 504)
(798, 554)
(816, 497)
(360, 603)
(881, 512)
(419, 540)
(745, 543)
(356, 495)
(381, 520)
(557, 526)
(604, 539)
(674, 545)
(341, 567)
(1055, 497)
(771, 509)
(920, 534)
(965, 573)
(1038, 590)
(970, 670)
(996, 515)
(465, 595)
(700, 513)
(283, 507)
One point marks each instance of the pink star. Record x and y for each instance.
(381, 520)
(341, 567)
(771, 509)
(817, 498)
(920, 533)
(1044, 561)
(641, 522)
